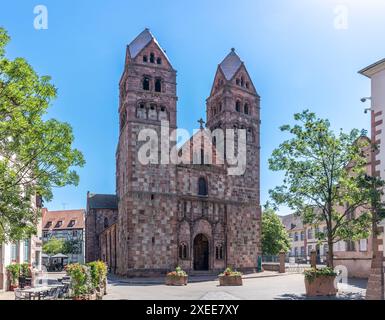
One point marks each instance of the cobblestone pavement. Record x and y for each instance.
(282, 287)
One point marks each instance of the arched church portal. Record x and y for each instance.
(201, 252)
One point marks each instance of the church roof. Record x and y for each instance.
(230, 64)
(141, 41)
(102, 201)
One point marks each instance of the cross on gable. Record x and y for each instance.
(201, 122)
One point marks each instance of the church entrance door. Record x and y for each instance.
(201, 252)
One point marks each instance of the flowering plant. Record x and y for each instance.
(177, 273)
(229, 272)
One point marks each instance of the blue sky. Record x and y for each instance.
(292, 50)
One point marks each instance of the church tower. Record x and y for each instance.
(235, 104)
(145, 191)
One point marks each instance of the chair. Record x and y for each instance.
(20, 295)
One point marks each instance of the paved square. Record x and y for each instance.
(272, 287)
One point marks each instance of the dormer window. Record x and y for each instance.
(48, 225)
(58, 224)
(145, 59)
(159, 61)
(71, 224)
(152, 58)
(146, 83)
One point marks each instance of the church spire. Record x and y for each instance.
(230, 64)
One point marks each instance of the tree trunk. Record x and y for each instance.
(330, 263)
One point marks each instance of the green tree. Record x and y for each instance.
(325, 178)
(53, 246)
(72, 246)
(274, 235)
(36, 152)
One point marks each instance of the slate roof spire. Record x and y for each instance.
(141, 41)
(230, 64)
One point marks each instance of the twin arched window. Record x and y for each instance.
(219, 252)
(202, 187)
(157, 84)
(183, 251)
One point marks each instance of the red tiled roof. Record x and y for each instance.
(64, 219)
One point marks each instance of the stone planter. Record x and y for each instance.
(12, 287)
(176, 280)
(230, 281)
(90, 296)
(321, 286)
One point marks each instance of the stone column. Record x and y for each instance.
(282, 256)
(375, 288)
(313, 259)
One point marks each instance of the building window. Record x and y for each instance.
(309, 233)
(350, 246)
(58, 224)
(309, 249)
(296, 252)
(45, 234)
(237, 82)
(13, 252)
(238, 106)
(302, 251)
(105, 222)
(302, 235)
(202, 186)
(145, 59)
(183, 251)
(363, 245)
(74, 233)
(158, 85)
(219, 252)
(159, 61)
(146, 83)
(247, 85)
(48, 225)
(246, 108)
(242, 82)
(71, 224)
(296, 236)
(152, 58)
(26, 250)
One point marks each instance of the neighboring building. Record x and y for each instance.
(66, 225)
(303, 238)
(101, 217)
(376, 73)
(25, 251)
(193, 215)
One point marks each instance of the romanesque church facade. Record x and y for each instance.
(196, 216)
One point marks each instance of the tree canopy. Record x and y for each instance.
(326, 178)
(53, 246)
(36, 154)
(274, 236)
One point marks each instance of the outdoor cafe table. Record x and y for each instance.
(32, 292)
